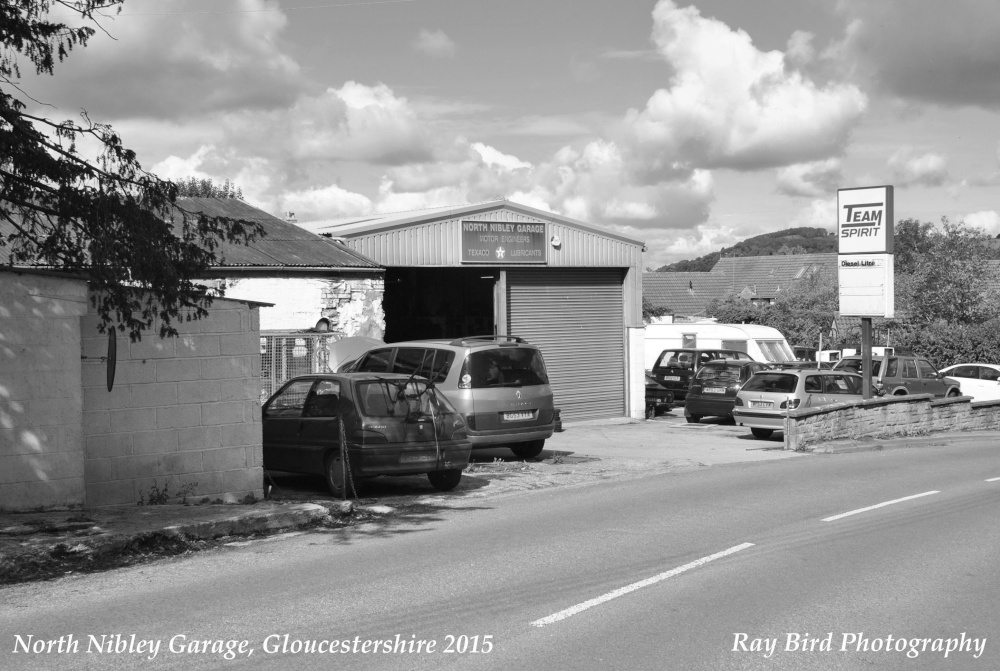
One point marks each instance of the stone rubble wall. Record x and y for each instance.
(894, 416)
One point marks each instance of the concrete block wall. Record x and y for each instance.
(893, 416)
(41, 405)
(183, 412)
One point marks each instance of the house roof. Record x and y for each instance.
(355, 226)
(767, 276)
(684, 294)
(283, 245)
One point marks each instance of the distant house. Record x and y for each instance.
(758, 279)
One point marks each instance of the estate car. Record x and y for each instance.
(764, 401)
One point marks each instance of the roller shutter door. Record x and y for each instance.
(577, 319)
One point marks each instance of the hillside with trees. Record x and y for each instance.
(790, 241)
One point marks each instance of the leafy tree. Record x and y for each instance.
(103, 217)
(802, 240)
(650, 311)
(206, 188)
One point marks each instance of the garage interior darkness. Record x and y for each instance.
(438, 302)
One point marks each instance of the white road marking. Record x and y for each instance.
(992, 479)
(879, 505)
(580, 607)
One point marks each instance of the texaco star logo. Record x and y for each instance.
(518, 393)
(499, 252)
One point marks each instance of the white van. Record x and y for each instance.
(762, 343)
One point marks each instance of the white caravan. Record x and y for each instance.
(763, 343)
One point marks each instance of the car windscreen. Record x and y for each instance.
(782, 383)
(854, 365)
(390, 398)
(507, 367)
(713, 373)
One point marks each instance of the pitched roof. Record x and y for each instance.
(684, 294)
(283, 245)
(767, 276)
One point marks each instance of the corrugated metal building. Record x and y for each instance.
(572, 288)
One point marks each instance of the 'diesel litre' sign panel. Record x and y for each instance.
(866, 285)
(864, 220)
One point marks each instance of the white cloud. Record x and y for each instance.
(908, 169)
(434, 43)
(730, 105)
(810, 179)
(820, 213)
(498, 159)
(988, 220)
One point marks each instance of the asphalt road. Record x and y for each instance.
(731, 567)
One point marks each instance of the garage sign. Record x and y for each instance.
(864, 220)
(503, 242)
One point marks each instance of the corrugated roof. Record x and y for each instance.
(767, 276)
(684, 294)
(354, 226)
(283, 245)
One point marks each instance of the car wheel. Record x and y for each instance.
(693, 419)
(528, 450)
(952, 393)
(761, 433)
(334, 475)
(650, 412)
(899, 392)
(445, 481)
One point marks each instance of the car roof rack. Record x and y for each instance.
(472, 340)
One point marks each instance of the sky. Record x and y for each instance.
(688, 126)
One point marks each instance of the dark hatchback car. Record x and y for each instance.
(658, 398)
(675, 367)
(714, 388)
(391, 425)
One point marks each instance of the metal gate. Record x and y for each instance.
(576, 317)
(283, 355)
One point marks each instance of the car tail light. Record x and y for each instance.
(470, 421)
(790, 404)
(464, 378)
(738, 401)
(368, 437)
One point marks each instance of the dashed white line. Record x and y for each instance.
(879, 505)
(992, 479)
(580, 607)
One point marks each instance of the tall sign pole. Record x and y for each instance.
(865, 267)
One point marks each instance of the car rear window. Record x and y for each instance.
(383, 398)
(515, 367)
(719, 373)
(854, 365)
(783, 383)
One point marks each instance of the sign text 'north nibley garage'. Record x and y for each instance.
(502, 242)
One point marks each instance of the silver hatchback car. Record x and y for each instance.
(498, 383)
(764, 401)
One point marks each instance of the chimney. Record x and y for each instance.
(290, 218)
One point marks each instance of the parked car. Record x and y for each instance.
(981, 381)
(902, 374)
(658, 398)
(713, 389)
(498, 383)
(392, 425)
(765, 399)
(802, 365)
(674, 368)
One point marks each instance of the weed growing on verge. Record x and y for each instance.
(160, 497)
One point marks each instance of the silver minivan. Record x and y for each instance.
(498, 383)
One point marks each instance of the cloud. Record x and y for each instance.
(910, 169)
(435, 44)
(730, 105)
(940, 52)
(185, 63)
(810, 179)
(988, 220)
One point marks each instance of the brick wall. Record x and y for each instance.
(41, 455)
(893, 416)
(183, 411)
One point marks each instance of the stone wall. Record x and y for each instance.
(353, 305)
(183, 412)
(892, 416)
(41, 405)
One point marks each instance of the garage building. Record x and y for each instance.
(572, 288)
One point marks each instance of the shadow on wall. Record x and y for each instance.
(41, 405)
